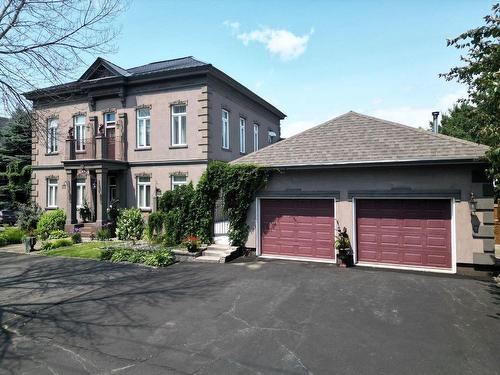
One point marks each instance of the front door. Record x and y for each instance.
(109, 129)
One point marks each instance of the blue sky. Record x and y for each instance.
(313, 59)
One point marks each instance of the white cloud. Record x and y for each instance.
(377, 101)
(233, 25)
(282, 43)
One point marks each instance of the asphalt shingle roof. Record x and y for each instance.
(354, 138)
(167, 65)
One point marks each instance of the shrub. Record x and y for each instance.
(58, 233)
(154, 227)
(11, 235)
(76, 236)
(50, 221)
(61, 242)
(130, 224)
(178, 205)
(28, 216)
(103, 234)
(121, 255)
(159, 258)
(107, 253)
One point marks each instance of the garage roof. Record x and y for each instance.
(354, 138)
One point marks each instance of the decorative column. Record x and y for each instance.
(121, 134)
(69, 149)
(101, 203)
(70, 201)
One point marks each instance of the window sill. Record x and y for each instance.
(145, 209)
(51, 208)
(177, 146)
(143, 149)
(226, 149)
(243, 153)
(80, 151)
(51, 153)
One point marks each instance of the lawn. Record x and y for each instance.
(88, 250)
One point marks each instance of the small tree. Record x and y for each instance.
(481, 73)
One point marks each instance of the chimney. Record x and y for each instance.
(435, 116)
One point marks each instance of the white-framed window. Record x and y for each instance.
(80, 192)
(143, 128)
(225, 129)
(52, 130)
(179, 126)
(79, 128)
(109, 123)
(243, 128)
(255, 137)
(52, 192)
(178, 180)
(144, 192)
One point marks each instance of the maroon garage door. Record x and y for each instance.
(297, 227)
(412, 232)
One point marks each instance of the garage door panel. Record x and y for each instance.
(306, 227)
(404, 232)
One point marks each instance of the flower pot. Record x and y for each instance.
(29, 244)
(345, 258)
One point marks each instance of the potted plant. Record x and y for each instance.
(30, 241)
(85, 212)
(192, 243)
(343, 245)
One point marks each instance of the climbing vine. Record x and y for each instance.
(237, 185)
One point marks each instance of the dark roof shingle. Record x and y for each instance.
(353, 138)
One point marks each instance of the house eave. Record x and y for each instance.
(378, 163)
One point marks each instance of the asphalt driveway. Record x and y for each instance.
(71, 316)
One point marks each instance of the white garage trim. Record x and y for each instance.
(354, 242)
(258, 250)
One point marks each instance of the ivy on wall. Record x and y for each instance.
(237, 185)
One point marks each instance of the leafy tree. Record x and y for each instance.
(462, 122)
(15, 159)
(18, 187)
(15, 136)
(481, 73)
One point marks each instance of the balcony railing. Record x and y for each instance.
(99, 147)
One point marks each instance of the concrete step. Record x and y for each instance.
(209, 259)
(221, 253)
(217, 254)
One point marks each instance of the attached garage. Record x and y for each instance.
(298, 228)
(404, 232)
(408, 198)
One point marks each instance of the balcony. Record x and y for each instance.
(99, 147)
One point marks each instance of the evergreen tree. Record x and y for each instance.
(15, 140)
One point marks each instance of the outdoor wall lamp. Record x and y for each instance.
(472, 204)
(158, 192)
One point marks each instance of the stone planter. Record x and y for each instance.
(29, 244)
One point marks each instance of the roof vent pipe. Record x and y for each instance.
(435, 116)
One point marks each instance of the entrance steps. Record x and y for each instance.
(217, 253)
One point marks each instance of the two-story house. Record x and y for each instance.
(130, 134)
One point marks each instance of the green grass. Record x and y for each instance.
(87, 250)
